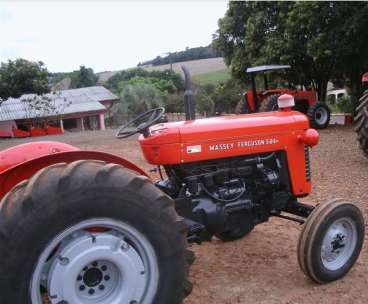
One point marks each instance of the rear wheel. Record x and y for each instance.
(361, 123)
(88, 232)
(269, 104)
(331, 241)
(319, 115)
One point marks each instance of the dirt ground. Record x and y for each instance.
(262, 267)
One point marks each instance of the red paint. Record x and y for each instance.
(20, 133)
(26, 152)
(22, 162)
(309, 138)
(53, 130)
(37, 132)
(238, 135)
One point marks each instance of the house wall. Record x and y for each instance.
(6, 128)
(91, 122)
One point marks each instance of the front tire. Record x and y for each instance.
(319, 115)
(88, 232)
(331, 241)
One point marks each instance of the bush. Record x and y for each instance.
(137, 98)
(345, 104)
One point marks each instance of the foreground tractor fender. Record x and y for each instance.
(23, 161)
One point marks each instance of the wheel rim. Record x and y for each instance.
(100, 261)
(339, 243)
(321, 116)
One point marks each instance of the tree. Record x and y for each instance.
(126, 75)
(85, 77)
(204, 103)
(39, 108)
(22, 77)
(321, 40)
(226, 96)
(137, 98)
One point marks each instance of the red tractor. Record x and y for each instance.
(82, 227)
(266, 100)
(361, 117)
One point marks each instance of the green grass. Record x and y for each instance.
(212, 77)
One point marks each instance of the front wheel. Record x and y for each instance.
(319, 115)
(88, 232)
(331, 241)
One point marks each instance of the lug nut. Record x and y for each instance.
(94, 264)
(91, 291)
(79, 278)
(82, 287)
(85, 268)
(101, 287)
(64, 261)
(103, 268)
(107, 277)
(125, 246)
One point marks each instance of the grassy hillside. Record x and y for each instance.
(212, 77)
(196, 68)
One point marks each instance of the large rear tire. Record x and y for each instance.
(269, 104)
(361, 122)
(91, 232)
(331, 241)
(319, 115)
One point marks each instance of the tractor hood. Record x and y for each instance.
(226, 136)
(225, 127)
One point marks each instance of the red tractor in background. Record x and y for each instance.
(361, 117)
(80, 227)
(266, 100)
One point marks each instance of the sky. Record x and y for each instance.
(103, 35)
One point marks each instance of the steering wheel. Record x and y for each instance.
(141, 123)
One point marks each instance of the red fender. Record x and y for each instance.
(23, 161)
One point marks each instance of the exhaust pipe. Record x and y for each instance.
(189, 104)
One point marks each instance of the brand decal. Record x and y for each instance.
(243, 144)
(194, 149)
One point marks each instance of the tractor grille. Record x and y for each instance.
(307, 164)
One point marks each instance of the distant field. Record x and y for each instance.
(213, 77)
(195, 67)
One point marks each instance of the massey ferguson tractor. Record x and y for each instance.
(265, 100)
(79, 227)
(361, 117)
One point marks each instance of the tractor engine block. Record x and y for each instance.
(222, 195)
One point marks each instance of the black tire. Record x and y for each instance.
(361, 123)
(60, 196)
(319, 115)
(269, 104)
(312, 237)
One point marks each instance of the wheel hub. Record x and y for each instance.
(81, 267)
(92, 277)
(321, 116)
(338, 243)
